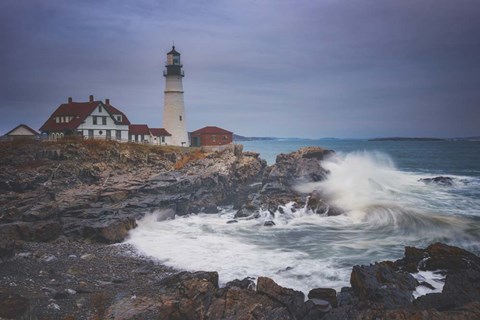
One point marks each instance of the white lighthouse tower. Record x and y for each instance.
(174, 120)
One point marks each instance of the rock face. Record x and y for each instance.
(99, 280)
(382, 283)
(384, 290)
(96, 190)
(279, 180)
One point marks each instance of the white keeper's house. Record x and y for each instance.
(99, 120)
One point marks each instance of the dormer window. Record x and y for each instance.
(99, 108)
(57, 120)
(119, 118)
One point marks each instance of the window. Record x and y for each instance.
(119, 118)
(90, 133)
(99, 108)
(180, 118)
(214, 138)
(100, 132)
(118, 135)
(104, 121)
(57, 119)
(163, 139)
(109, 134)
(224, 137)
(95, 120)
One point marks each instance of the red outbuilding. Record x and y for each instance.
(211, 136)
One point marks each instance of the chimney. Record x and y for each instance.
(107, 102)
(91, 98)
(70, 100)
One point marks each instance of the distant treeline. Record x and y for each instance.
(406, 139)
(236, 137)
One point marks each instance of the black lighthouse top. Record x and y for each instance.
(173, 65)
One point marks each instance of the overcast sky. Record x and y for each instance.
(326, 68)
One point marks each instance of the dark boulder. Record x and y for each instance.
(381, 283)
(293, 300)
(442, 181)
(438, 256)
(246, 283)
(236, 303)
(42, 231)
(109, 230)
(269, 223)
(326, 294)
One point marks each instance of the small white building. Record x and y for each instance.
(160, 136)
(92, 119)
(21, 131)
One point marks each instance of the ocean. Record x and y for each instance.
(376, 183)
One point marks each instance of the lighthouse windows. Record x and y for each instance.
(180, 118)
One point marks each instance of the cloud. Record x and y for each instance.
(276, 68)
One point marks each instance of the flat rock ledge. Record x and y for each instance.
(75, 280)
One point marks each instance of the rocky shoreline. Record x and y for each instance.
(63, 205)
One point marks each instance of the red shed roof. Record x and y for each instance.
(211, 130)
(25, 126)
(138, 129)
(159, 132)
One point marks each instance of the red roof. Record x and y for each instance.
(159, 132)
(25, 126)
(138, 129)
(112, 110)
(211, 130)
(80, 111)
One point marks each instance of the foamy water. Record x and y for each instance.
(385, 209)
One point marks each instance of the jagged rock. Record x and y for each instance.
(246, 283)
(237, 303)
(281, 179)
(293, 300)
(109, 230)
(438, 256)
(443, 181)
(381, 283)
(32, 231)
(269, 223)
(326, 294)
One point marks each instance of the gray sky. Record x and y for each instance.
(326, 68)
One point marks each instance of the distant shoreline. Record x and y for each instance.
(406, 139)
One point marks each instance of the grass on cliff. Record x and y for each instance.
(194, 155)
(28, 152)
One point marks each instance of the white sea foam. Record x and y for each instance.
(435, 278)
(385, 209)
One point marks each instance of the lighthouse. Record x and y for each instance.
(174, 120)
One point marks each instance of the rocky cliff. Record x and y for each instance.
(61, 202)
(96, 190)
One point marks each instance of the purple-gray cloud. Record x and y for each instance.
(258, 68)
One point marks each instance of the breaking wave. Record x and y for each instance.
(384, 210)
